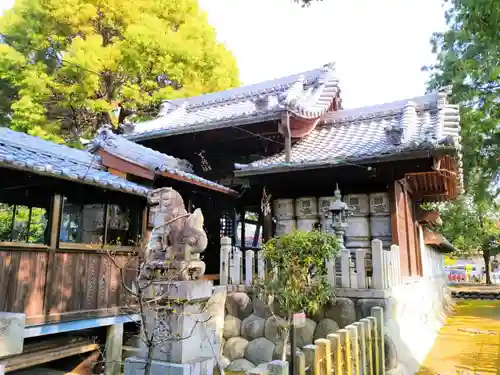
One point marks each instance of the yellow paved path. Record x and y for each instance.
(469, 343)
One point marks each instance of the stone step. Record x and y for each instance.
(129, 351)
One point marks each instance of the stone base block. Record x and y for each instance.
(183, 290)
(182, 336)
(136, 366)
(11, 333)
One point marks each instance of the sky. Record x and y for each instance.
(378, 46)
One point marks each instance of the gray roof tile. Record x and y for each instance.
(364, 133)
(136, 153)
(22, 151)
(307, 95)
(153, 160)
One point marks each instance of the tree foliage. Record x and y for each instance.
(472, 227)
(468, 58)
(22, 224)
(67, 66)
(297, 279)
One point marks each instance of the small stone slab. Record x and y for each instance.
(11, 333)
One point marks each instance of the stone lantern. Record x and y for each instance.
(340, 212)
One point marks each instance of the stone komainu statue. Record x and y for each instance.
(177, 240)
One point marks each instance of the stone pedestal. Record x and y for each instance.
(11, 333)
(136, 366)
(185, 326)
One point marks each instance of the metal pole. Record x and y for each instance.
(292, 349)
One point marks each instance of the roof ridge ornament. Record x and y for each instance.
(167, 107)
(261, 102)
(332, 65)
(104, 137)
(292, 95)
(396, 130)
(442, 95)
(394, 133)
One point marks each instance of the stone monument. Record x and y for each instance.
(182, 324)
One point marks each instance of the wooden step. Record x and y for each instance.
(47, 352)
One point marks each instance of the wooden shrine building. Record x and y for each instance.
(229, 153)
(290, 138)
(61, 210)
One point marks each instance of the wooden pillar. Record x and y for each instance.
(113, 353)
(144, 235)
(55, 223)
(55, 220)
(397, 199)
(267, 222)
(285, 130)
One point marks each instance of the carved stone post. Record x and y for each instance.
(183, 317)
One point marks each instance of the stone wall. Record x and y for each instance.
(414, 313)
(253, 337)
(419, 310)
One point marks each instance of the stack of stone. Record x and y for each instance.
(253, 337)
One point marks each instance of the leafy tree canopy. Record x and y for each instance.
(66, 66)
(468, 58)
(472, 227)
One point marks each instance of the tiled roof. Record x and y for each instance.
(146, 157)
(136, 153)
(22, 151)
(424, 122)
(307, 95)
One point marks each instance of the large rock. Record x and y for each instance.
(342, 311)
(239, 304)
(391, 353)
(253, 327)
(364, 306)
(318, 314)
(275, 307)
(215, 310)
(232, 326)
(260, 350)
(305, 334)
(240, 365)
(275, 328)
(260, 308)
(235, 348)
(324, 328)
(278, 351)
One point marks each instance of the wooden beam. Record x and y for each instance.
(285, 129)
(177, 177)
(125, 166)
(116, 172)
(48, 354)
(128, 167)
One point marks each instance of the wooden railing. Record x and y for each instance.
(378, 269)
(358, 349)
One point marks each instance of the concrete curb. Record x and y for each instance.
(476, 295)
